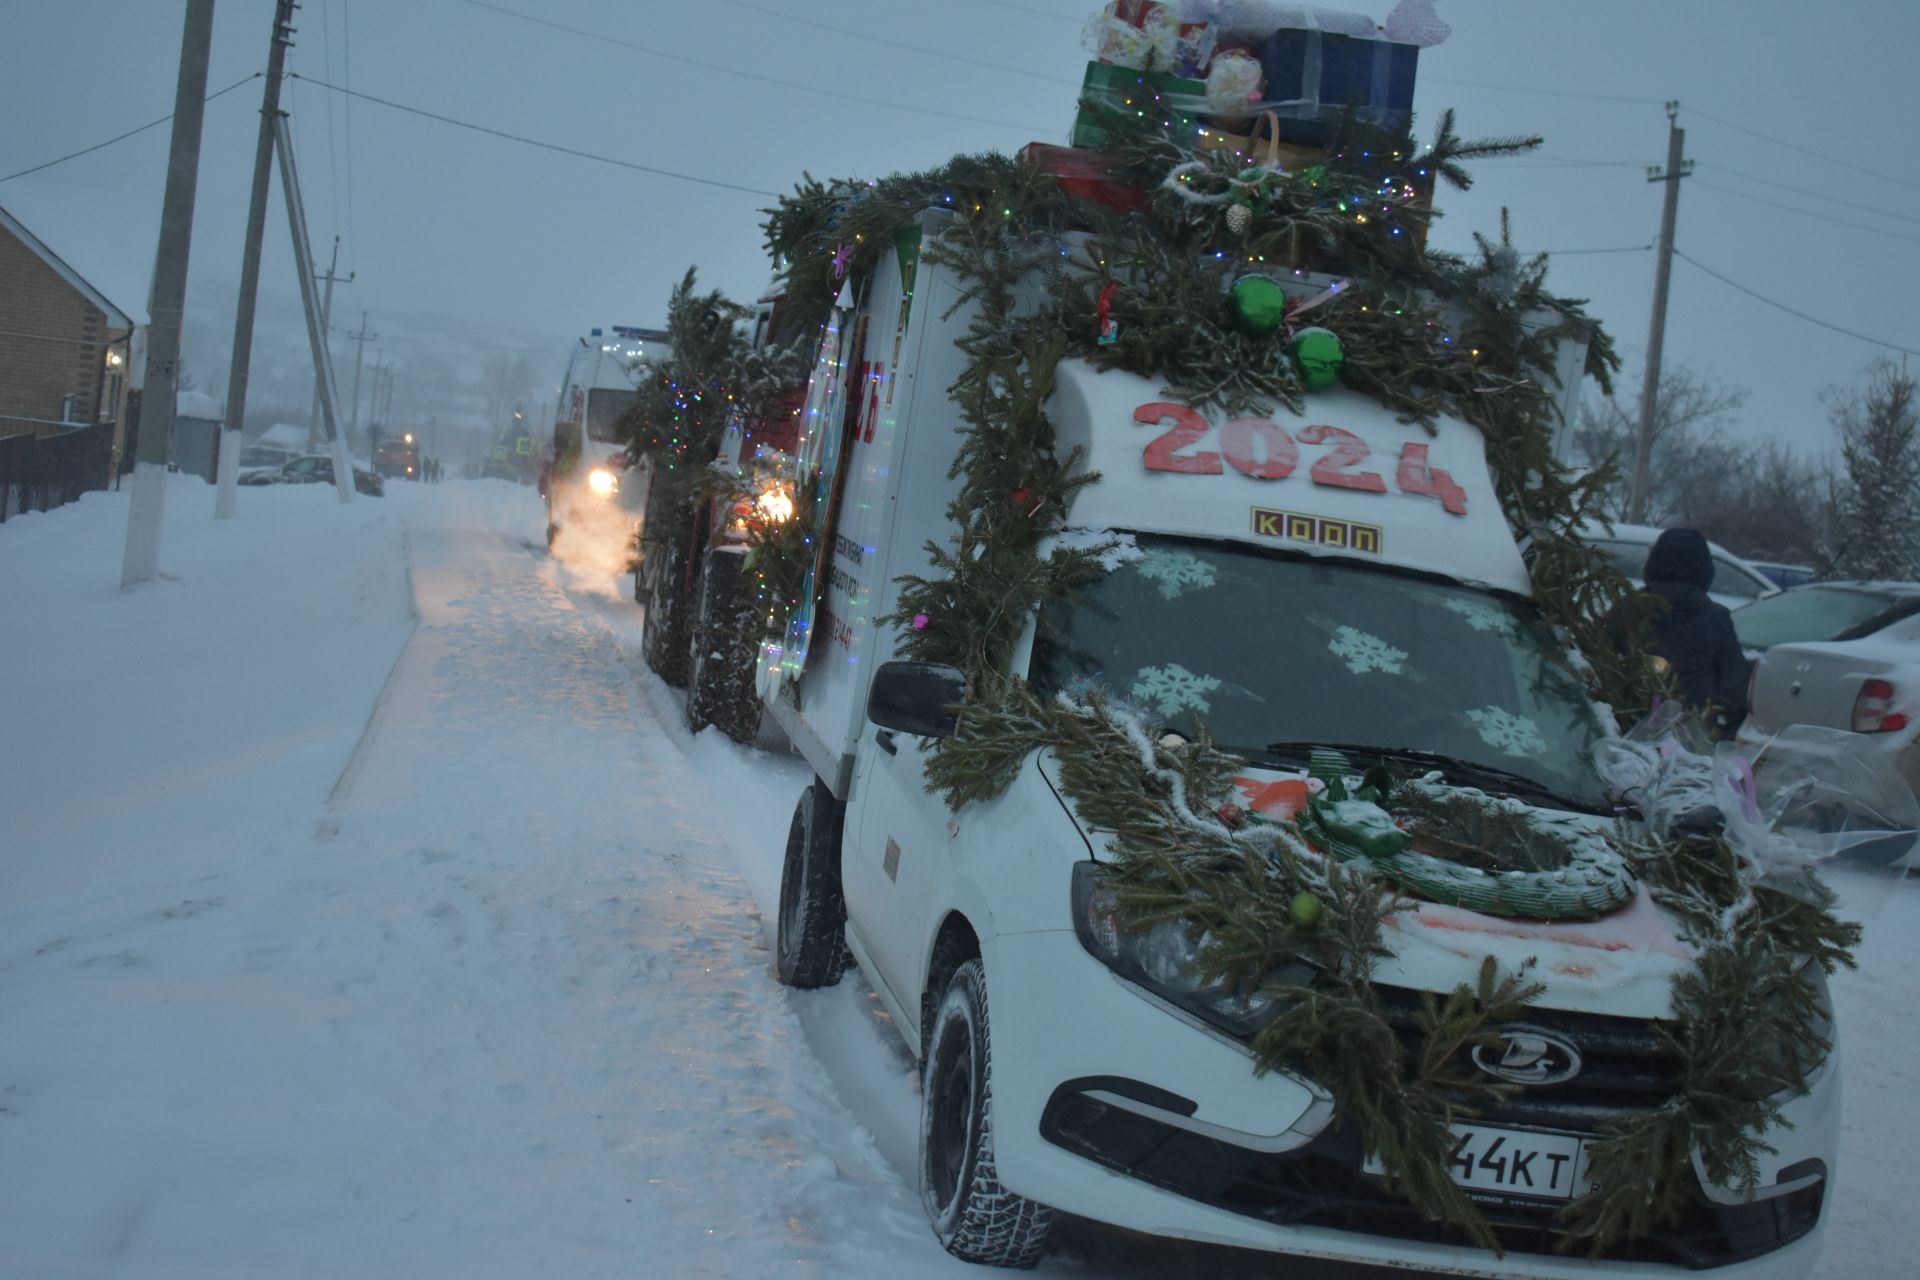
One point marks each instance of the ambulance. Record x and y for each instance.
(584, 474)
(1335, 578)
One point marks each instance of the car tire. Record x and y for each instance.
(974, 1216)
(810, 934)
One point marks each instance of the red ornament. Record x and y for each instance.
(1022, 496)
(1103, 308)
(1231, 814)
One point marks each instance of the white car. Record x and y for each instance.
(1735, 582)
(1869, 685)
(1070, 1065)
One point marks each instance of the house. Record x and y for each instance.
(64, 347)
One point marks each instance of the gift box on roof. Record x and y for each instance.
(1177, 102)
(1313, 75)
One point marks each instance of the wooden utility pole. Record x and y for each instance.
(228, 489)
(1677, 168)
(161, 376)
(326, 317)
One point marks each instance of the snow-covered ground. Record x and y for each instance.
(365, 910)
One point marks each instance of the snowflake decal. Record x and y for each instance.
(1175, 571)
(1479, 616)
(1172, 689)
(1507, 733)
(1363, 653)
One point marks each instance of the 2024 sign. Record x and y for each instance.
(1264, 450)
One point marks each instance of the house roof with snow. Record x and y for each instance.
(287, 433)
(116, 318)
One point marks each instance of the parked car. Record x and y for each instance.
(1836, 611)
(1869, 685)
(314, 468)
(266, 455)
(1786, 575)
(1735, 582)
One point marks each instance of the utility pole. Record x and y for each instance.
(316, 327)
(223, 502)
(161, 376)
(1677, 168)
(359, 362)
(326, 316)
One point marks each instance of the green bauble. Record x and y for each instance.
(1257, 303)
(1320, 356)
(1304, 910)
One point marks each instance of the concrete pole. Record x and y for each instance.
(326, 318)
(1677, 168)
(316, 327)
(359, 363)
(165, 303)
(228, 489)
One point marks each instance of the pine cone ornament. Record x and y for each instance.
(1239, 218)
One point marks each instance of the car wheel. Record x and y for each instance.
(810, 936)
(973, 1215)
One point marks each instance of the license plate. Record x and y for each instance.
(1514, 1162)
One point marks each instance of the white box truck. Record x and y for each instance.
(1338, 579)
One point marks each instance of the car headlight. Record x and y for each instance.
(1164, 960)
(602, 481)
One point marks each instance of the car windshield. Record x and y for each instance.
(1807, 613)
(604, 407)
(1278, 654)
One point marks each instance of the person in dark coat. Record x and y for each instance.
(1694, 633)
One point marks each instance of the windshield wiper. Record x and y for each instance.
(1459, 769)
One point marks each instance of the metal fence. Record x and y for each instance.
(40, 472)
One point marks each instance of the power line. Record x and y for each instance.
(1627, 248)
(346, 115)
(453, 343)
(1805, 191)
(535, 142)
(1797, 314)
(854, 33)
(1807, 213)
(748, 75)
(1806, 151)
(1038, 13)
(121, 137)
(1545, 93)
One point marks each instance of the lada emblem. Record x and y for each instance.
(1528, 1055)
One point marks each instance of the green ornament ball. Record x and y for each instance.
(1259, 304)
(1320, 357)
(1304, 910)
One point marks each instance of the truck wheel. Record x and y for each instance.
(810, 940)
(974, 1216)
(720, 689)
(663, 631)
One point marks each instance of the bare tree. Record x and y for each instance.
(503, 383)
(1692, 449)
(1876, 503)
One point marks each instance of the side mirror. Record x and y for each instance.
(913, 697)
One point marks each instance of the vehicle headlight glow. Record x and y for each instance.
(776, 505)
(1164, 959)
(602, 481)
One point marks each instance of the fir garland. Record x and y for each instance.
(1426, 334)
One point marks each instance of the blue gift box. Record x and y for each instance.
(1312, 76)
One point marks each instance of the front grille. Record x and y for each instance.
(1627, 1064)
(1322, 1184)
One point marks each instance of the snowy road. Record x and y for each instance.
(451, 965)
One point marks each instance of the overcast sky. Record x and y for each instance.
(437, 219)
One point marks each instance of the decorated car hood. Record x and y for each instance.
(1621, 964)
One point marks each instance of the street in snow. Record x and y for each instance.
(364, 910)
